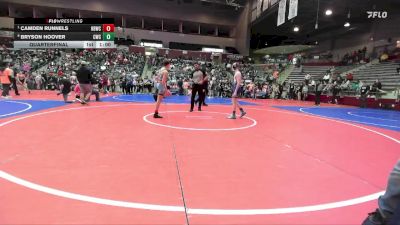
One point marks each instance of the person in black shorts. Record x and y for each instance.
(236, 91)
(161, 86)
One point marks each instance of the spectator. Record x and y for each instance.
(21, 81)
(388, 203)
(299, 89)
(364, 90)
(326, 78)
(377, 86)
(335, 92)
(5, 80)
(307, 78)
(39, 81)
(319, 87)
(13, 78)
(65, 87)
(291, 90)
(304, 92)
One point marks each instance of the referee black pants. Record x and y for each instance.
(197, 89)
(205, 93)
(15, 87)
(6, 90)
(318, 97)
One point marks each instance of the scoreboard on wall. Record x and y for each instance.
(64, 33)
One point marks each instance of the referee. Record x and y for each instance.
(197, 86)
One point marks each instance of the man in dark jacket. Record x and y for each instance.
(84, 76)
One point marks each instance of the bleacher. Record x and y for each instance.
(385, 72)
(316, 72)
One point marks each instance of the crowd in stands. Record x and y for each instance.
(24, 63)
(121, 71)
(355, 57)
(334, 86)
(258, 82)
(43, 69)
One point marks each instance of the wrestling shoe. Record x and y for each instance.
(232, 117)
(375, 218)
(156, 116)
(242, 114)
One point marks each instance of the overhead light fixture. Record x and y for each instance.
(328, 12)
(296, 29)
(347, 24)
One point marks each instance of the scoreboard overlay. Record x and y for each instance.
(64, 33)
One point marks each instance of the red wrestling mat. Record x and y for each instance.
(115, 164)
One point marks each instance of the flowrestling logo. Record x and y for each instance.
(377, 14)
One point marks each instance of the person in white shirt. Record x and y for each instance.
(326, 78)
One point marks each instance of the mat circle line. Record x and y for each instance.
(17, 112)
(371, 117)
(145, 118)
(355, 121)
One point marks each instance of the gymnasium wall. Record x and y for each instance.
(6, 22)
(380, 35)
(156, 9)
(167, 37)
(242, 31)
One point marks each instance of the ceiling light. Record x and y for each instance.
(347, 24)
(328, 12)
(296, 29)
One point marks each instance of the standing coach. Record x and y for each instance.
(84, 75)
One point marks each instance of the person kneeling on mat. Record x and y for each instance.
(65, 88)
